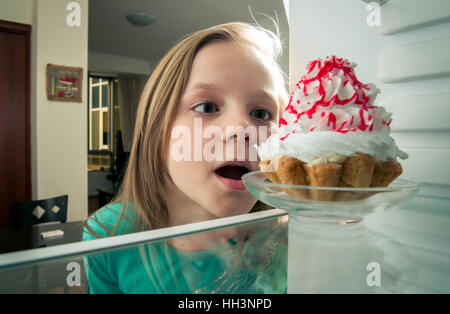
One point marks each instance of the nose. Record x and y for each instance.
(235, 135)
(238, 127)
(240, 134)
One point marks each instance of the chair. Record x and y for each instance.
(26, 214)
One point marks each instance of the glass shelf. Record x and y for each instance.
(262, 252)
(251, 258)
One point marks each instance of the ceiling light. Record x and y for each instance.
(140, 19)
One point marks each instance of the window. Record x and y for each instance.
(104, 122)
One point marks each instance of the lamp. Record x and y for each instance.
(140, 19)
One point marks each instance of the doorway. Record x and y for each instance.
(15, 161)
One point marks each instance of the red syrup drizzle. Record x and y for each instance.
(325, 70)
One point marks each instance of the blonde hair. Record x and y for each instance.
(145, 183)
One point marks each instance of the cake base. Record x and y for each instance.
(356, 171)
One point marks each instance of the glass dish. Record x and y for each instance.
(348, 204)
(330, 250)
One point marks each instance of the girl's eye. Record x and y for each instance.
(206, 107)
(261, 114)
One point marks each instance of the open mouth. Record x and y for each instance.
(232, 172)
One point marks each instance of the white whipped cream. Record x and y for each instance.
(309, 146)
(331, 112)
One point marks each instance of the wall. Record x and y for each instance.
(19, 11)
(103, 62)
(407, 58)
(59, 129)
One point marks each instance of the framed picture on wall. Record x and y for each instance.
(64, 83)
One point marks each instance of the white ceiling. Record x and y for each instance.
(110, 32)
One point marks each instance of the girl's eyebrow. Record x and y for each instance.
(206, 86)
(261, 94)
(266, 95)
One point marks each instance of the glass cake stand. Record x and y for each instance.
(330, 251)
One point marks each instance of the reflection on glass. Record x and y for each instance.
(252, 260)
(55, 277)
(105, 97)
(345, 258)
(249, 258)
(95, 97)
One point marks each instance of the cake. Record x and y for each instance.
(331, 135)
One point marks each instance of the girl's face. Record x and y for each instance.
(229, 86)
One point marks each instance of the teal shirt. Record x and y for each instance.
(258, 265)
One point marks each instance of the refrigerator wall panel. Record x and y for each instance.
(407, 58)
(417, 61)
(406, 15)
(430, 165)
(420, 112)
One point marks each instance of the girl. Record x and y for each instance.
(225, 76)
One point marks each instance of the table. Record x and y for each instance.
(12, 240)
(44, 277)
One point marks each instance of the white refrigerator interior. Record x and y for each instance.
(401, 46)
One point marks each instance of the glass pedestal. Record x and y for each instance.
(330, 251)
(328, 256)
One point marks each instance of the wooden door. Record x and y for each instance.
(15, 174)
